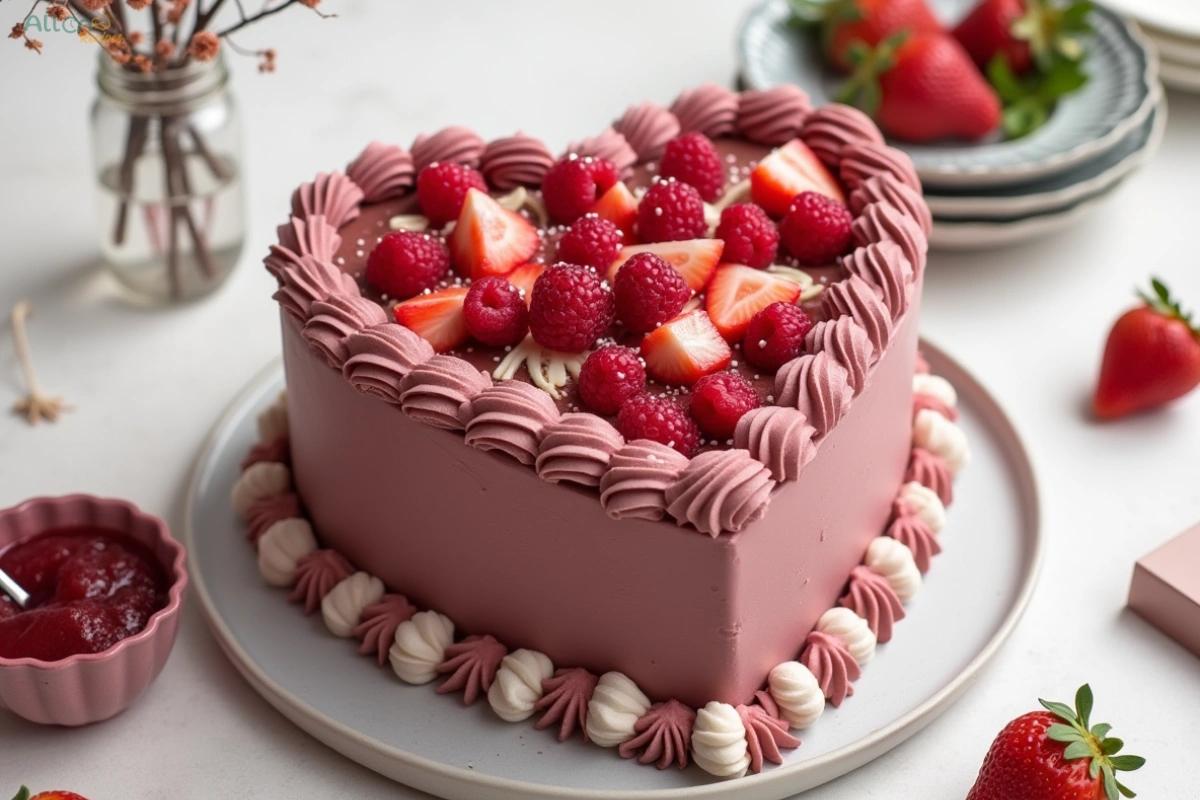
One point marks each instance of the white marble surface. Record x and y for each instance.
(148, 384)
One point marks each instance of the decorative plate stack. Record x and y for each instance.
(1173, 27)
(998, 192)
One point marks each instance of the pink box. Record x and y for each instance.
(1166, 589)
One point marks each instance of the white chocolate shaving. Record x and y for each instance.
(409, 222)
(521, 198)
(808, 287)
(548, 369)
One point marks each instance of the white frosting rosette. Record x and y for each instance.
(719, 741)
(797, 693)
(342, 607)
(282, 547)
(943, 438)
(615, 706)
(264, 479)
(924, 504)
(518, 684)
(273, 420)
(895, 562)
(420, 646)
(851, 629)
(937, 387)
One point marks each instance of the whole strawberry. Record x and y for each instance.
(1056, 754)
(1152, 357)
(1025, 33)
(23, 794)
(847, 22)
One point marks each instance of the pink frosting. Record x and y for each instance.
(334, 319)
(518, 160)
(455, 144)
(721, 490)
(265, 512)
(709, 108)
(871, 597)
(331, 194)
(773, 117)
(830, 129)
(766, 732)
(864, 160)
(577, 449)
(378, 358)
(830, 662)
(275, 451)
(887, 188)
(779, 437)
(438, 391)
(884, 266)
(310, 280)
(634, 487)
(382, 171)
(564, 701)
(510, 417)
(661, 735)
(377, 625)
(472, 665)
(816, 385)
(609, 145)
(647, 127)
(846, 341)
(927, 402)
(931, 472)
(316, 575)
(922, 366)
(856, 298)
(298, 237)
(912, 532)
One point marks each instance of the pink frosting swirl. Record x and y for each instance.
(378, 622)
(378, 358)
(564, 701)
(647, 127)
(455, 144)
(856, 298)
(331, 194)
(518, 160)
(766, 732)
(923, 402)
(472, 666)
(661, 736)
(884, 266)
(881, 222)
(610, 146)
(382, 171)
(438, 392)
(577, 449)
(276, 451)
(779, 437)
(846, 341)
(510, 417)
(871, 597)
(830, 662)
(298, 237)
(830, 129)
(816, 385)
(308, 281)
(709, 108)
(931, 472)
(773, 117)
(316, 575)
(334, 319)
(634, 487)
(721, 490)
(887, 188)
(911, 531)
(864, 160)
(266, 511)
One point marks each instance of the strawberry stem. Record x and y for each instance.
(1161, 301)
(862, 89)
(1082, 742)
(22, 793)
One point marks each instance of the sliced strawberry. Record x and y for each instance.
(685, 349)
(787, 172)
(489, 239)
(524, 276)
(618, 206)
(694, 259)
(437, 318)
(738, 292)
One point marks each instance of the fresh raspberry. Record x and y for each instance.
(671, 211)
(659, 419)
(441, 188)
(691, 158)
(495, 312)
(592, 242)
(750, 236)
(648, 292)
(406, 263)
(775, 336)
(609, 377)
(816, 228)
(570, 309)
(719, 401)
(573, 184)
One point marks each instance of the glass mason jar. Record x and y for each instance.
(167, 153)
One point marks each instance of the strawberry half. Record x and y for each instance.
(489, 239)
(787, 172)
(437, 318)
(524, 276)
(618, 206)
(694, 259)
(739, 292)
(683, 350)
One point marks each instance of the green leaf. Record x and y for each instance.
(1060, 710)
(1110, 783)
(1127, 763)
(1084, 701)
(1125, 790)
(1076, 750)
(1002, 78)
(1101, 729)
(1020, 120)
(1094, 769)
(22, 793)
(1064, 733)
(1111, 746)
(1161, 290)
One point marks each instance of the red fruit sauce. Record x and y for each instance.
(89, 589)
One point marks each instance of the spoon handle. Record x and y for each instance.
(13, 589)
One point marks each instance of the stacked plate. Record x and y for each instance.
(996, 192)
(1173, 26)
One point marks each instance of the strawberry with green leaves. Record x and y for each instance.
(843, 23)
(1056, 754)
(1027, 34)
(23, 794)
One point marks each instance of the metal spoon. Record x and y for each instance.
(13, 589)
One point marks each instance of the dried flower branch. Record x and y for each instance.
(35, 406)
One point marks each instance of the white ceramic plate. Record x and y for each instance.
(1175, 49)
(1118, 98)
(1181, 77)
(972, 600)
(1178, 17)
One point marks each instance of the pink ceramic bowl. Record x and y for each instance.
(89, 688)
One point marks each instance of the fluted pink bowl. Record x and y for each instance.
(89, 688)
